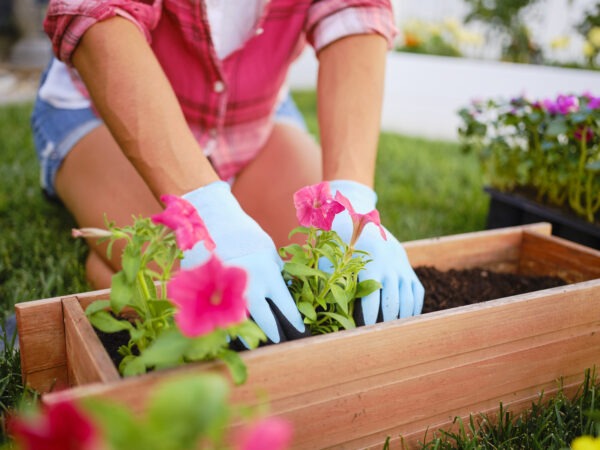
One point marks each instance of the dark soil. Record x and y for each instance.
(443, 290)
(452, 288)
(112, 342)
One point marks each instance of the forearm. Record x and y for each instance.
(138, 105)
(350, 95)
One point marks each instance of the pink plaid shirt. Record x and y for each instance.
(228, 104)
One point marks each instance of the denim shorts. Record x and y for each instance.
(57, 130)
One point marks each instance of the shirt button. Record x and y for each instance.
(259, 31)
(219, 86)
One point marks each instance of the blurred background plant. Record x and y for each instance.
(547, 148)
(505, 19)
(445, 38)
(589, 27)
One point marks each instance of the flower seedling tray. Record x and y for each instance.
(511, 209)
(355, 388)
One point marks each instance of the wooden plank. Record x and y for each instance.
(497, 249)
(397, 405)
(49, 380)
(409, 359)
(87, 361)
(41, 340)
(89, 297)
(551, 255)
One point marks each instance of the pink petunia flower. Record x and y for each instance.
(359, 221)
(594, 103)
(208, 296)
(564, 104)
(315, 207)
(268, 434)
(62, 426)
(181, 216)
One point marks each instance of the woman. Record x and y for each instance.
(188, 98)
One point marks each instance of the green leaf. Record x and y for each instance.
(308, 310)
(556, 127)
(98, 305)
(236, 366)
(342, 297)
(167, 350)
(249, 332)
(300, 270)
(306, 294)
(131, 366)
(207, 346)
(104, 321)
(118, 424)
(121, 293)
(131, 261)
(366, 287)
(345, 322)
(189, 408)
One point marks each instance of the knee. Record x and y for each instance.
(98, 272)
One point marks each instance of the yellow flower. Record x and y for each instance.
(560, 42)
(451, 24)
(470, 38)
(594, 37)
(586, 443)
(588, 49)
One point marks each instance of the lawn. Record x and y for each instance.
(426, 188)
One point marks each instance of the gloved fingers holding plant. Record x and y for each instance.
(240, 241)
(401, 293)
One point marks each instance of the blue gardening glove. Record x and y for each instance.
(241, 242)
(402, 293)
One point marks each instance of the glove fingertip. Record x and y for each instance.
(368, 310)
(419, 296)
(407, 301)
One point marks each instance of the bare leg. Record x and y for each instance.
(290, 160)
(97, 180)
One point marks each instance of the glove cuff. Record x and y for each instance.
(362, 197)
(212, 192)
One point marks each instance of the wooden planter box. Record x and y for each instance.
(353, 389)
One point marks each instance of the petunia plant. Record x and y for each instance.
(322, 273)
(550, 147)
(172, 316)
(183, 413)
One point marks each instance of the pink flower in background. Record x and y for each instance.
(315, 207)
(268, 434)
(360, 220)
(208, 296)
(182, 217)
(564, 104)
(594, 103)
(62, 427)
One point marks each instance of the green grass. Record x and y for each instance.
(549, 424)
